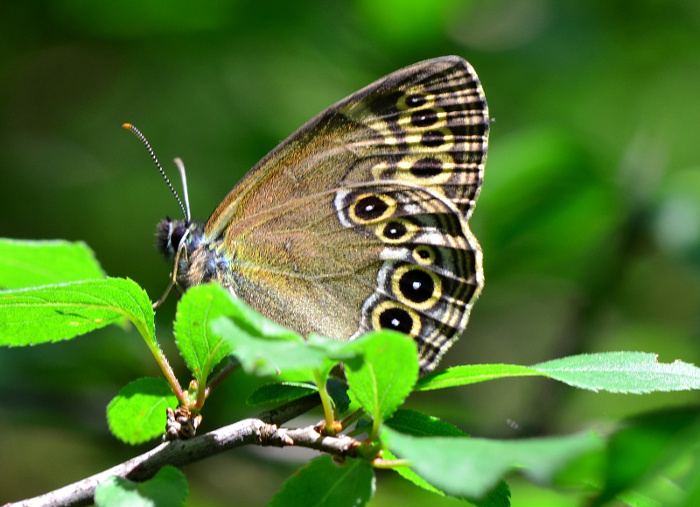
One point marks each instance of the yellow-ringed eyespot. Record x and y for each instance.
(426, 169)
(415, 98)
(435, 117)
(396, 230)
(369, 208)
(423, 255)
(416, 287)
(391, 315)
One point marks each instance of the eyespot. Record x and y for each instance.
(416, 287)
(426, 169)
(433, 139)
(415, 98)
(397, 230)
(423, 255)
(391, 315)
(369, 208)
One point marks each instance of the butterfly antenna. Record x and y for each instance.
(181, 168)
(183, 177)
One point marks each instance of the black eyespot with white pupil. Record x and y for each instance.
(370, 208)
(397, 319)
(395, 230)
(417, 286)
(424, 118)
(415, 100)
(423, 253)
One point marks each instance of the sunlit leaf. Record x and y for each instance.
(62, 311)
(25, 263)
(201, 349)
(387, 375)
(138, 413)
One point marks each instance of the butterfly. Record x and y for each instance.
(358, 220)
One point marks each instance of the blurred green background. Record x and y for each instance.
(589, 217)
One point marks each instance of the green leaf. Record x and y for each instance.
(472, 374)
(622, 372)
(64, 311)
(283, 392)
(338, 391)
(138, 413)
(168, 488)
(335, 350)
(617, 372)
(411, 476)
(497, 497)
(265, 357)
(386, 377)
(417, 424)
(252, 323)
(25, 263)
(648, 445)
(470, 467)
(324, 483)
(271, 349)
(201, 349)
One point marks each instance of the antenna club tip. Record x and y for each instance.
(127, 126)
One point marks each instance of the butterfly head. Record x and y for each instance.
(177, 241)
(170, 234)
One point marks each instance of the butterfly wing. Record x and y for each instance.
(358, 220)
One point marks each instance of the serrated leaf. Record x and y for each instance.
(324, 483)
(470, 467)
(25, 263)
(617, 372)
(138, 413)
(167, 488)
(472, 374)
(282, 392)
(387, 375)
(201, 349)
(64, 311)
(622, 372)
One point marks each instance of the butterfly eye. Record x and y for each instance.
(169, 233)
(176, 235)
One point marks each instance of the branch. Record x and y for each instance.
(261, 431)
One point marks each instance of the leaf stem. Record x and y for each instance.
(390, 463)
(325, 400)
(215, 382)
(165, 367)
